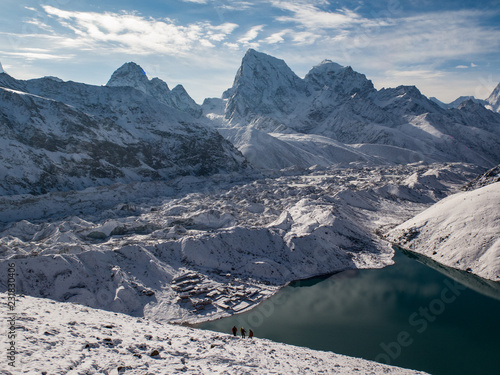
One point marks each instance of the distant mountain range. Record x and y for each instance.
(58, 135)
(334, 115)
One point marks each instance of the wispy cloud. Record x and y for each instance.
(224, 4)
(417, 74)
(133, 33)
(309, 16)
(38, 54)
(249, 38)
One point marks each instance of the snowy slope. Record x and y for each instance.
(337, 102)
(278, 150)
(461, 231)
(66, 338)
(59, 135)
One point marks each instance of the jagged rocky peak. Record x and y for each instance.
(260, 67)
(263, 84)
(129, 75)
(159, 85)
(494, 99)
(132, 75)
(1, 68)
(184, 102)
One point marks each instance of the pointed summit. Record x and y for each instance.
(263, 84)
(494, 99)
(130, 75)
(263, 68)
(1, 68)
(184, 102)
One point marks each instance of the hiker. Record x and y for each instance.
(234, 329)
(242, 332)
(250, 333)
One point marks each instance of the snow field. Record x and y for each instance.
(67, 338)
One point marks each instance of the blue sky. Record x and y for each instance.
(445, 48)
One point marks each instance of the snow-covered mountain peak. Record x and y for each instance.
(181, 100)
(344, 80)
(328, 65)
(263, 68)
(1, 68)
(263, 84)
(130, 75)
(160, 84)
(494, 99)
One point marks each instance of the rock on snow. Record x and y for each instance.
(65, 338)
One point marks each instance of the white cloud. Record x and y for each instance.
(309, 16)
(132, 33)
(462, 67)
(224, 4)
(277, 37)
(251, 34)
(38, 55)
(415, 74)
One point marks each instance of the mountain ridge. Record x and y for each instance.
(339, 103)
(68, 136)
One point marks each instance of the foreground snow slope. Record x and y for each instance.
(461, 231)
(65, 338)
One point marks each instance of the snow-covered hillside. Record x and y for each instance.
(337, 102)
(461, 231)
(66, 338)
(57, 135)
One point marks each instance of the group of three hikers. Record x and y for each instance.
(243, 331)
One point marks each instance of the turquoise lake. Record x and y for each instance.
(415, 314)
